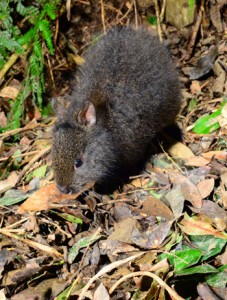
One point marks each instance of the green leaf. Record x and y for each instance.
(191, 5)
(203, 269)
(82, 243)
(12, 197)
(184, 258)
(69, 218)
(152, 20)
(208, 124)
(209, 244)
(218, 280)
(40, 173)
(192, 105)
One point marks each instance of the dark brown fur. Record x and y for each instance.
(129, 79)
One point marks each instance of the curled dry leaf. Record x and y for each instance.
(44, 197)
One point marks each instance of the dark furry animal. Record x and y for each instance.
(127, 92)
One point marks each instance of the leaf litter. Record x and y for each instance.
(146, 240)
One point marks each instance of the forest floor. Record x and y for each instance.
(163, 235)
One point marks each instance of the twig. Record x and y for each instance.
(105, 270)
(136, 15)
(158, 20)
(32, 161)
(171, 292)
(161, 16)
(13, 58)
(32, 244)
(19, 155)
(103, 16)
(68, 7)
(191, 44)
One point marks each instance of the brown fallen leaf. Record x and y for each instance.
(205, 187)
(197, 161)
(113, 247)
(216, 154)
(189, 190)
(155, 207)
(176, 200)
(8, 183)
(45, 196)
(193, 226)
(123, 230)
(205, 292)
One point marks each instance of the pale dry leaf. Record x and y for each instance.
(205, 187)
(197, 161)
(8, 183)
(195, 87)
(176, 200)
(9, 92)
(3, 120)
(181, 151)
(101, 293)
(216, 154)
(224, 111)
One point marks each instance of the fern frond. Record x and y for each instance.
(28, 37)
(44, 27)
(30, 11)
(50, 10)
(7, 41)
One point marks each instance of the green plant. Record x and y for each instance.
(28, 43)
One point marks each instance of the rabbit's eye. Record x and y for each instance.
(78, 163)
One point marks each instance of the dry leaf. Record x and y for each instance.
(152, 237)
(216, 154)
(193, 226)
(205, 187)
(9, 92)
(189, 190)
(3, 120)
(176, 200)
(211, 210)
(123, 230)
(8, 183)
(195, 87)
(197, 161)
(179, 150)
(101, 293)
(155, 207)
(42, 199)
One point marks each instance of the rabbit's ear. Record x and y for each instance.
(87, 115)
(60, 105)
